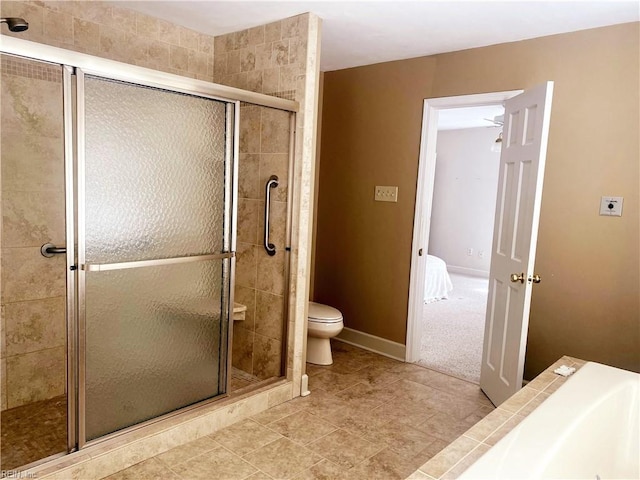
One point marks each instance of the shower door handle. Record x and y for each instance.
(49, 250)
(271, 183)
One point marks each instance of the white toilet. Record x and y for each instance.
(325, 322)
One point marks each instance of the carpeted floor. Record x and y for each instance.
(453, 329)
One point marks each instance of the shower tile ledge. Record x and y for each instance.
(115, 454)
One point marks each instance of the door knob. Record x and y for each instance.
(535, 279)
(517, 278)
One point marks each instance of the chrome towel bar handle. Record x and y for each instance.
(271, 183)
(49, 250)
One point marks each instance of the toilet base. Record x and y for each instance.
(319, 351)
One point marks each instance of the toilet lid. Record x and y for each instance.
(323, 313)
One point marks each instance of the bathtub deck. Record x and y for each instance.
(471, 445)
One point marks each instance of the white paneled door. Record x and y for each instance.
(512, 275)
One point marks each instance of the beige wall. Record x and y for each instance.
(588, 304)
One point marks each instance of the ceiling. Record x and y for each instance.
(358, 33)
(468, 117)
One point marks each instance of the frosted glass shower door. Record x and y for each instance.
(154, 243)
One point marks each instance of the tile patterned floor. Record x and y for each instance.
(32, 432)
(368, 417)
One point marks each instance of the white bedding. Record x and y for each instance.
(438, 283)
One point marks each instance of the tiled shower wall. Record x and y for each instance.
(117, 33)
(279, 59)
(260, 278)
(270, 59)
(33, 287)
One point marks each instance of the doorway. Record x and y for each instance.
(459, 251)
(431, 342)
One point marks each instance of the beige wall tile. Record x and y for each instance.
(249, 181)
(31, 107)
(241, 39)
(147, 26)
(35, 325)
(249, 124)
(254, 81)
(243, 340)
(34, 163)
(112, 42)
(269, 315)
(30, 219)
(189, 38)
(168, 32)
(86, 34)
(121, 18)
(267, 354)
(272, 31)
(178, 57)
(274, 135)
(205, 43)
(271, 80)
(58, 26)
(35, 376)
(270, 272)
(197, 62)
(256, 35)
(159, 53)
(249, 212)
(247, 59)
(233, 62)
(247, 297)
(27, 275)
(280, 53)
(246, 265)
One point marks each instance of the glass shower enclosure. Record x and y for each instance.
(120, 232)
(154, 205)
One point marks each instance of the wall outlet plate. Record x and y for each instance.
(611, 206)
(386, 194)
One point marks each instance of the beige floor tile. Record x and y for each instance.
(244, 437)
(332, 382)
(151, 469)
(282, 459)
(324, 470)
(344, 448)
(219, 463)
(188, 451)
(384, 465)
(302, 427)
(320, 403)
(277, 412)
(443, 426)
(402, 439)
(259, 476)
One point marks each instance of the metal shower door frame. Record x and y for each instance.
(74, 63)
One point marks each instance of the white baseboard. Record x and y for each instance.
(467, 271)
(372, 343)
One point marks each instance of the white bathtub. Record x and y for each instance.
(588, 429)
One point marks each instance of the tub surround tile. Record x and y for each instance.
(455, 458)
(267, 354)
(269, 315)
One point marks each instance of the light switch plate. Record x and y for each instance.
(386, 194)
(611, 206)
